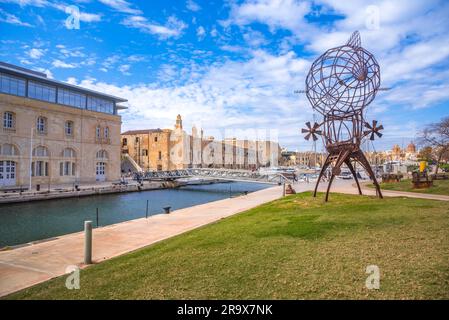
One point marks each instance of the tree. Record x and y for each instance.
(436, 136)
(426, 154)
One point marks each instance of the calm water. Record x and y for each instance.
(25, 222)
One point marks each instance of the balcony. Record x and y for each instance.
(102, 140)
(9, 130)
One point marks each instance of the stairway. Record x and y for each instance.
(128, 164)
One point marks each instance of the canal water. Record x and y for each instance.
(25, 222)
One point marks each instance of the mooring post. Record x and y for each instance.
(97, 217)
(146, 212)
(87, 242)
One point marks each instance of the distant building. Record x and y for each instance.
(305, 159)
(54, 133)
(170, 149)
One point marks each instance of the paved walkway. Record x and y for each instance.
(29, 265)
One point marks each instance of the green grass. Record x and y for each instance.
(295, 248)
(439, 187)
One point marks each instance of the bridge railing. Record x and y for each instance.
(220, 174)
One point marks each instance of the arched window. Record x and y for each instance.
(102, 154)
(68, 153)
(98, 132)
(41, 125)
(9, 150)
(9, 120)
(106, 133)
(39, 168)
(67, 168)
(40, 151)
(68, 128)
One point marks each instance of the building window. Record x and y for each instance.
(68, 153)
(98, 132)
(41, 125)
(40, 151)
(155, 139)
(102, 154)
(68, 128)
(39, 169)
(9, 150)
(137, 139)
(12, 85)
(9, 120)
(41, 91)
(67, 168)
(144, 152)
(106, 133)
(124, 142)
(71, 98)
(100, 105)
(160, 155)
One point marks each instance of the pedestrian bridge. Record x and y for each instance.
(214, 174)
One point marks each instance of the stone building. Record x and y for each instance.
(170, 149)
(157, 149)
(55, 133)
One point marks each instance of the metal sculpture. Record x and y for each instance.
(340, 84)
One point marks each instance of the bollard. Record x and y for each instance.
(283, 190)
(167, 209)
(97, 217)
(87, 242)
(146, 212)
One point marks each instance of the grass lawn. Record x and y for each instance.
(297, 247)
(439, 187)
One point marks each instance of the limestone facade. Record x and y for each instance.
(170, 149)
(55, 133)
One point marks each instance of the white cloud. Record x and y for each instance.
(172, 28)
(12, 19)
(121, 6)
(46, 71)
(124, 68)
(71, 80)
(35, 53)
(61, 64)
(257, 93)
(192, 6)
(200, 33)
(288, 14)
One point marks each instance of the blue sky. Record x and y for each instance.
(234, 65)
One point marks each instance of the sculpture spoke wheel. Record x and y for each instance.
(340, 84)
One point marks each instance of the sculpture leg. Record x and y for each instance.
(360, 157)
(323, 170)
(351, 168)
(329, 187)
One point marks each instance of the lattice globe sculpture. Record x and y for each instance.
(340, 84)
(344, 79)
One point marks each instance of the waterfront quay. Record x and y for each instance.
(69, 190)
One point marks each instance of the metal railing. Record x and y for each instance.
(218, 174)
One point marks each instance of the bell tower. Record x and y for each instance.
(178, 124)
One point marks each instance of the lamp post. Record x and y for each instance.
(31, 155)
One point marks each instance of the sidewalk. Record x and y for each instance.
(349, 187)
(29, 265)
